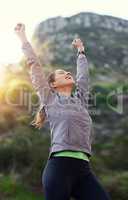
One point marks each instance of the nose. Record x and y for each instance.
(68, 73)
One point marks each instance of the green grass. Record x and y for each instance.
(12, 189)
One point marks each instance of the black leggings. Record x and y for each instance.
(66, 177)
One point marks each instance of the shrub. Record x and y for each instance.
(26, 153)
(117, 185)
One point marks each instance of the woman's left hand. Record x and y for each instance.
(78, 44)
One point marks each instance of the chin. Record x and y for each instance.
(70, 82)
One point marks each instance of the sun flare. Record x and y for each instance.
(2, 75)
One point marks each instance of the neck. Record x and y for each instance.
(64, 91)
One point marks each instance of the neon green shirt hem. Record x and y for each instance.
(74, 154)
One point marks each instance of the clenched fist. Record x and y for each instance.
(20, 32)
(77, 43)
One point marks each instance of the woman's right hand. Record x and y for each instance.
(20, 32)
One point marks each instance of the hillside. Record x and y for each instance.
(106, 40)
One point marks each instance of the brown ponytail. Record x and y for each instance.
(39, 118)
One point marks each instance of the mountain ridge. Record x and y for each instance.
(105, 37)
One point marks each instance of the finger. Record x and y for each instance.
(19, 24)
(74, 42)
(16, 29)
(78, 39)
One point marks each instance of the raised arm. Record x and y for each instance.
(37, 75)
(82, 75)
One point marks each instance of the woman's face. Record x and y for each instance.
(63, 78)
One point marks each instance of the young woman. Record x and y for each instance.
(67, 172)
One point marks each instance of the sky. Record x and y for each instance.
(32, 12)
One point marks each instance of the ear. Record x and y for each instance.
(53, 84)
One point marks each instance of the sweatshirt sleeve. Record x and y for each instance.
(37, 75)
(82, 79)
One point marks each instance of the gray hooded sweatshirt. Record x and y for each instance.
(68, 116)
